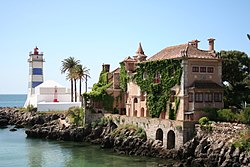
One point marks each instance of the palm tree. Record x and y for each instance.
(86, 76)
(80, 73)
(68, 66)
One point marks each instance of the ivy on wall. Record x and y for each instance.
(99, 94)
(158, 93)
(123, 77)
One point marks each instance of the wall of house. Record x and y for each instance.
(183, 131)
(204, 76)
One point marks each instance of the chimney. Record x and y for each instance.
(211, 44)
(194, 43)
(105, 67)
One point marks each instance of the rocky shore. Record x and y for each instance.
(208, 148)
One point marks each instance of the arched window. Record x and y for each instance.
(159, 134)
(157, 77)
(135, 100)
(135, 113)
(142, 112)
(171, 140)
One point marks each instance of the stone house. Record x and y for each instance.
(200, 83)
(114, 90)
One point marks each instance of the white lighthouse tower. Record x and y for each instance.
(35, 73)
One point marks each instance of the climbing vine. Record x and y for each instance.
(158, 92)
(123, 77)
(99, 94)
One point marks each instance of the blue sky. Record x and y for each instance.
(97, 32)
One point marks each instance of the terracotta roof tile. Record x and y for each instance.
(179, 51)
(129, 59)
(117, 70)
(205, 85)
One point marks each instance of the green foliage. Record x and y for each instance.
(99, 93)
(203, 121)
(226, 115)
(158, 93)
(171, 112)
(244, 142)
(245, 115)
(134, 131)
(235, 72)
(205, 124)
(30, 108)
(76, 115)
(123, 77)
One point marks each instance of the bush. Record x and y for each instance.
(226, 115)
(244, 142)
(76, 115)
(212, 113)
(204, 121)
(245, 115)
(30, 108)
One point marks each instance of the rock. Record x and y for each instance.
(3, 122)
(13, 129)
(19, 126)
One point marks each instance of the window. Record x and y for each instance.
(203, 69)
(210, 69)
(198, 97)
(157, 77)
(218, 97)
(208, 97)
(190, 97)
(135, 100)
(145, 75)
(172, 96)
(195, 69)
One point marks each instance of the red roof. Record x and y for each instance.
(129, 59)
(184, 50)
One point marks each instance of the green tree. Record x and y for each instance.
(80, 73)
(67, 67)
(235, 76)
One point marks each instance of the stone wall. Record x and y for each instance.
(91, 117)
(183, 131)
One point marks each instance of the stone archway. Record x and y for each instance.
(159, 134)
(142, 112)
(171, 139)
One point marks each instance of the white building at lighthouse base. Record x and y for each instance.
(51, 96)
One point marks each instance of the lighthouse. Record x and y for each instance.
(35, 73)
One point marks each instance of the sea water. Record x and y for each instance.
(18, 151)
(12, 100)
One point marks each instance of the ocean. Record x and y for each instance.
(17, 150)
(12, 100)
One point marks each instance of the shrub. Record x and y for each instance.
(212, 113)
(244, 142)
(246, 115)
(226, 115)
(76, 115)
(204, 121)
(30, 108)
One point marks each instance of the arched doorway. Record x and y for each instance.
(142, 112)
(135, 113)
(170, 139)
(159, 134)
